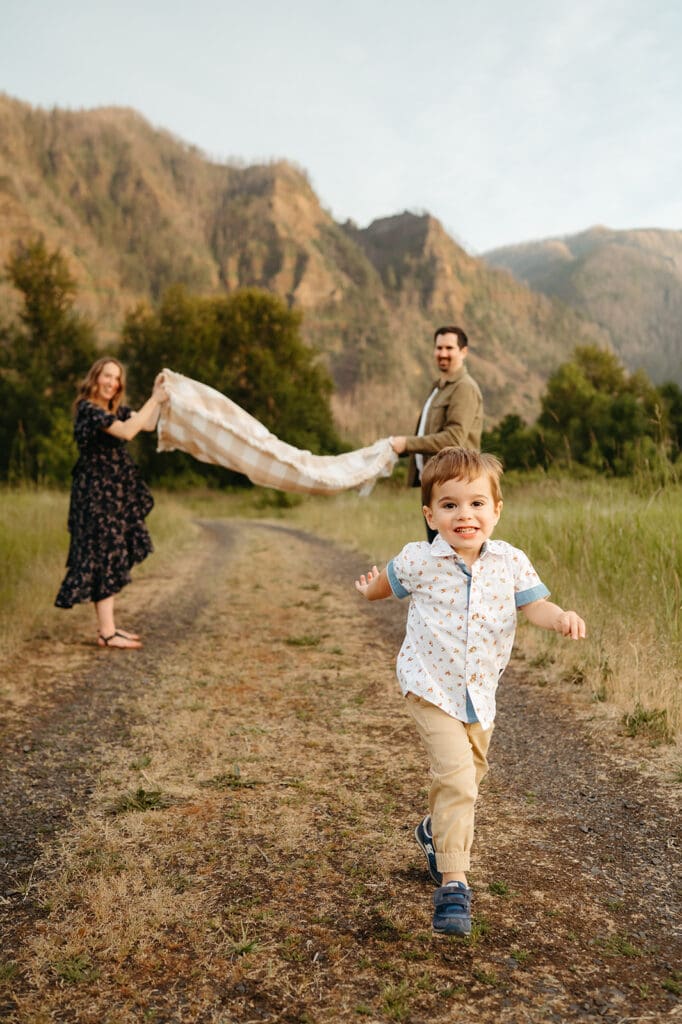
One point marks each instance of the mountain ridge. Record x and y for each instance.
(135, 210)
(629, 283)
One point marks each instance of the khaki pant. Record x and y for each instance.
(457, 755)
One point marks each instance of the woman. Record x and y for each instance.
(109, 499)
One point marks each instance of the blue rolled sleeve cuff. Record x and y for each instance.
(535, 593)
(395, 584)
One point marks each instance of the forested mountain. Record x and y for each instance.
(134, 210)
(628, 282)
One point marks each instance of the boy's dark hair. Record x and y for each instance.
(461, 464)
(462, 340)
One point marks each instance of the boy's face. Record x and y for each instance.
(464, 513)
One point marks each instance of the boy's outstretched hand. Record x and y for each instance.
(363, 583)
(547, 615)
(570, 624)
(374, 586)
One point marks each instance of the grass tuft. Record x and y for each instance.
(303, 641)
(522, 956)
(486, 977)
(140, 800)
(76, 969)
(619, 945)
(230, 780)
(396, 1000)
(480, 927)
(140, 763)
(8, 971)
(651, 724)
(499, 889)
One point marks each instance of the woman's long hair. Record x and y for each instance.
(88, 385)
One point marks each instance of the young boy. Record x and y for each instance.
(464, 592)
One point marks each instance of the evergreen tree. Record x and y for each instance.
(671, 397)
(513, 441)
(595, 414)
(247, 346)
(41, 360)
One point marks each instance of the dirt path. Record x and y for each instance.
(218, 829)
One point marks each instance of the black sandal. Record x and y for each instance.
(129, 645)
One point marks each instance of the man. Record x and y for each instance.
(453, 412)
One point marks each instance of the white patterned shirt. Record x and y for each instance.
(461, 621)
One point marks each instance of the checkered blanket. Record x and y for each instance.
(199, 420)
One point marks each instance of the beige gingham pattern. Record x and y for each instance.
(199, 420)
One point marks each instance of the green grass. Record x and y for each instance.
(618, 945)
(34, 544)
(33, 548)
(652, 724)
(499, 889)
(140, 763)
(76, 969)
(303, 641)
(230, 780)
(396, 1000)
(603, 549)
(608, 552)
(8, 971)
(140, 800)
(485, 977)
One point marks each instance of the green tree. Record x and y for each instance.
(671, 398)
(271, 373)
(41, 360)
(595, 414)
(246, 345)
(513, 441)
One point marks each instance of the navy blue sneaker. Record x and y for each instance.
(422, 834)
(452, 915)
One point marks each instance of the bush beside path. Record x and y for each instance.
(218, 828)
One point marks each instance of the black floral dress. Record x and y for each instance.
(109, 503)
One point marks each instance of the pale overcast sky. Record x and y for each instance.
(507, 121)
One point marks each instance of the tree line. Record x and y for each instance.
(597, 417)
(594, 415)
(247, 345)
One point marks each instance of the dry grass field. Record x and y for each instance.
(217, 829)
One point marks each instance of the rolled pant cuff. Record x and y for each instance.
(449, 862)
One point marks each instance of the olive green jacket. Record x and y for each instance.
(455, 417)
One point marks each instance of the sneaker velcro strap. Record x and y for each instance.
(448, 897)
